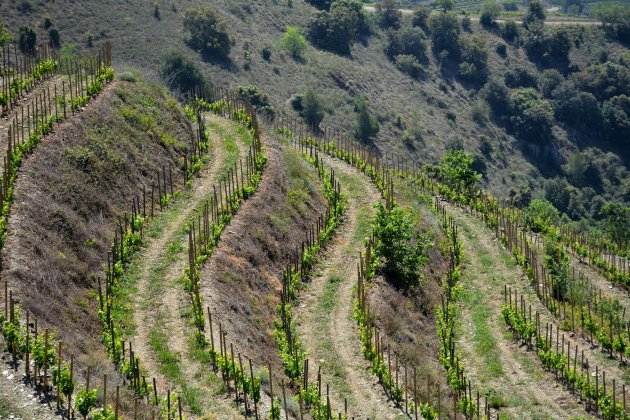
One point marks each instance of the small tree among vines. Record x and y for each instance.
(402, 250)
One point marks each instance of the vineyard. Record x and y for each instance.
(190, 257)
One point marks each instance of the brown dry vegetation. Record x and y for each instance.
(68, 198)
(242, 282)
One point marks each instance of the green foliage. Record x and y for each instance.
(407, 41)
(294, 42)
(311, 109)
(54, 38)
(550, 79)
(548, 47)
(336, 30)
(63, 379)
(408, 64)
(207, 32)
(541, 215)
(420, 18)
(5, 35)
(445, 34)
(617, 222)
(456, 171)
(535, 14)
(403, 251)
(85, 401)
(27, 40)
(180, 73)
(321, 4)
(366, 127)
(103, 414)
(531, 116)
(557, 265)
(474, 65)
(520, 78)
(489, 13)
(616, 19)
(257, 99)
(510, 31)
(616, 115)
(389, 15)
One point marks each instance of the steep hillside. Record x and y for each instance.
(72, 194)
(418, 118)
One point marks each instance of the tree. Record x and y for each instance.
(207, 32)
(604, 80)
(294, 42)
(456, 170)
(366, 127)
(27, 40)
(541, 215)
(408, 64)
(336, 30)
(549, 80)
(617, 222)
(321, 4)
(445, 34)
(576, 108)
(409, 41)
(312, 109)
(180, 73)
(474, 66)
(531, 116)
(497, 95)
(445, 5)
(54, 38)
(403, 252)
(489, 13)
(420, 18)
(535, 14)
(257, 99)
(615, 18)
(547, 47)
(510, 31)
(616, 113)
(520, 77)
(389, 15)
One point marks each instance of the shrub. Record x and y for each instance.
(547, 47)
(456, 170)
(407, 41)
(258, 100)
(489, 13)
(420, 18)
(265, 53)
(616, 20)
(389, 15)
(604, 80)
(5, 36)
(520, 77)
(207, 32)
(403, 252)
(535, 14)
(616, 113)
(25, 7)
(27, 40)
(531, 116)
(294, 42)
(541, 215)
(497, 95)
(366, 127)
(474, 66)
(408, 64)
(466, 23)
(180, 73)
(321, 4)
(501, 50)
(54, 38)
(576, 108)
(549, 80)
(445, 34)
(336, 30)
(312, 109)
(510, 31)
(557, 265)
(617, 222)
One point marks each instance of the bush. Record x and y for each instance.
(549, 80)
(294, 42)
(54, 38)
(616, 114)
(366, 127)
(207, 32)
(27, 40)
(521, 77)
(445, 34)
(541, 215)
(180, 73)
(408, 64)
(466, 23)
(474, 66)
(535, 14)
(312, 109)
(407, 41)
(616, 20)
(489, 13)
(336, 30)
(389, 15)
(5, 36)
(497, 95)
(321, 4)
(258, 100)
(576, 108)
(265, 53)
(420, 18)
(456, 170)
(604, 80)
(531, 116)
(510, 31)
(547, 47)
(403, 252)
(501, 50)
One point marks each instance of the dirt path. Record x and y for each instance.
(326, 325)
(521, 387)
(161, 310)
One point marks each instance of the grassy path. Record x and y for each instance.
(326, 325)
(161, 310)
(522, 388)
